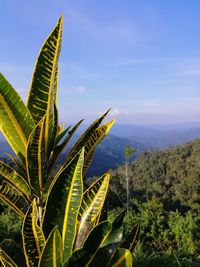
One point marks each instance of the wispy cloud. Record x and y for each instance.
(191, 72)
(77, 90)
(189, 67)
(76, 71)
(11, 68)
(136, 61)
(120, 29)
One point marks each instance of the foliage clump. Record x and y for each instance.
(62, 223)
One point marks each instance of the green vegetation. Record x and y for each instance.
(62, 223)
(59, 218)
(164, 200)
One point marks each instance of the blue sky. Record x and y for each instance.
(142, 58)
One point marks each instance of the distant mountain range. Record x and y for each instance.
(109, 154)
(158, 136)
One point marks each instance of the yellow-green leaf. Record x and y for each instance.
(59, 148)
(52, 253)
(122, 258)
(67, 189)
(84, 138)
(36, 159)
(45, 74)
(13, 197)
(11, 254)
(86, 255)
(131, 239)
(92, 203)
(15, 179)
(44, 83)
(31, 243)
(16, 122)
(94, 140)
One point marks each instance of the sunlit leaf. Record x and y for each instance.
(43, 89)
(91, 205)
(16, 122)
(52, 253)
(13, 197)
(10, 175)
(36, 159)
(67, 189)
(31, 243)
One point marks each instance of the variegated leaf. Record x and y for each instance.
(131, 239)
(36, 159)
(86, 255)
(31, 243)
(11, 254)
(94, 140)
(67, 189)
(122, 258)
(44, 83)
(52, 253)
(16, 122)
(84, 138)
(13, 197)
(10, 175)
(59, 148)
(92, 203)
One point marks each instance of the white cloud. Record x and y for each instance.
(123, 29)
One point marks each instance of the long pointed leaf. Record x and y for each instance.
(130, 241)
(13, 197)
(92, 203)
(111, 243)
(122, 258)
(16, 122)
(31, 244)
(94, 140)
(61, 133)
(45, 73)
(85, 255)
(12, 254)
(85, 137)
(52, 253)
(38, 233)
(67, 189)
(14, 178)
(44, 83)
(19, 166)
(4, 263)
(59, 148)
(115, 236)
(36, 158)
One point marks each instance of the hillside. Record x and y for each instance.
(109, 154)
(172, 175)
(158, 136)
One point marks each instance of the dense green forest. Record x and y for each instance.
(164, 198)
(172, 176)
